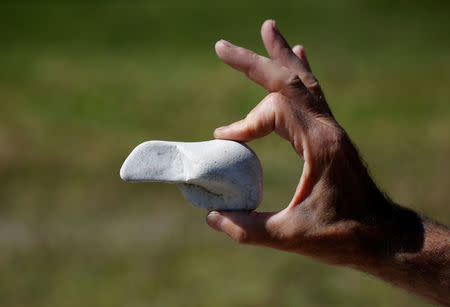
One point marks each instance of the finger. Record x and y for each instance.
(299, 51)
(248, 227)
(280, 51)
(258, 123)
(316, 91)
(261, 70)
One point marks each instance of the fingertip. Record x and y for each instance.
(268, 28)
(219, 133)
(298, 49)
(218, 46)
(214, 220)
(223, 43)
(300, 52)
(237, 131)
(231, 223)
(248, 227)
(269, 24)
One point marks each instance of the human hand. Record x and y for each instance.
(337, 212)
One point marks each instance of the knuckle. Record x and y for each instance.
(310, 80)
(274, 102)
(335, 140)
(330, 138)
(248, 71)
(296, 85)
(243, 52)
(293, 78)
(270, 101)
(241, 236)
(277, 106)
(251, 122)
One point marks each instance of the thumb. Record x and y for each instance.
(246, 227)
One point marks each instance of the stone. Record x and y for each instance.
(212, 175)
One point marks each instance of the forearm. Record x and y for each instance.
(397, 244)
(415, 257)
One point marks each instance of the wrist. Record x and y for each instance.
(388, 234)
(415, 256)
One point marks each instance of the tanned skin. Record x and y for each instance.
(337, 215)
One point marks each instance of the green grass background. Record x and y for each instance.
(81, 84)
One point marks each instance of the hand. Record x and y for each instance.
(336, 208)
(337, 214)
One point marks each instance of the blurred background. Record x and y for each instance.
(82, 84)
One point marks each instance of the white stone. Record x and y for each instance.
(213, 175)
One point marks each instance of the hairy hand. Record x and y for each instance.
(337, 210)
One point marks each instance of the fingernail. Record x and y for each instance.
(226, 43)
(214, 220)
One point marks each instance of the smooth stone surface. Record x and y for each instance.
(213, 175)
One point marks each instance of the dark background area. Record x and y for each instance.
(82, 84)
